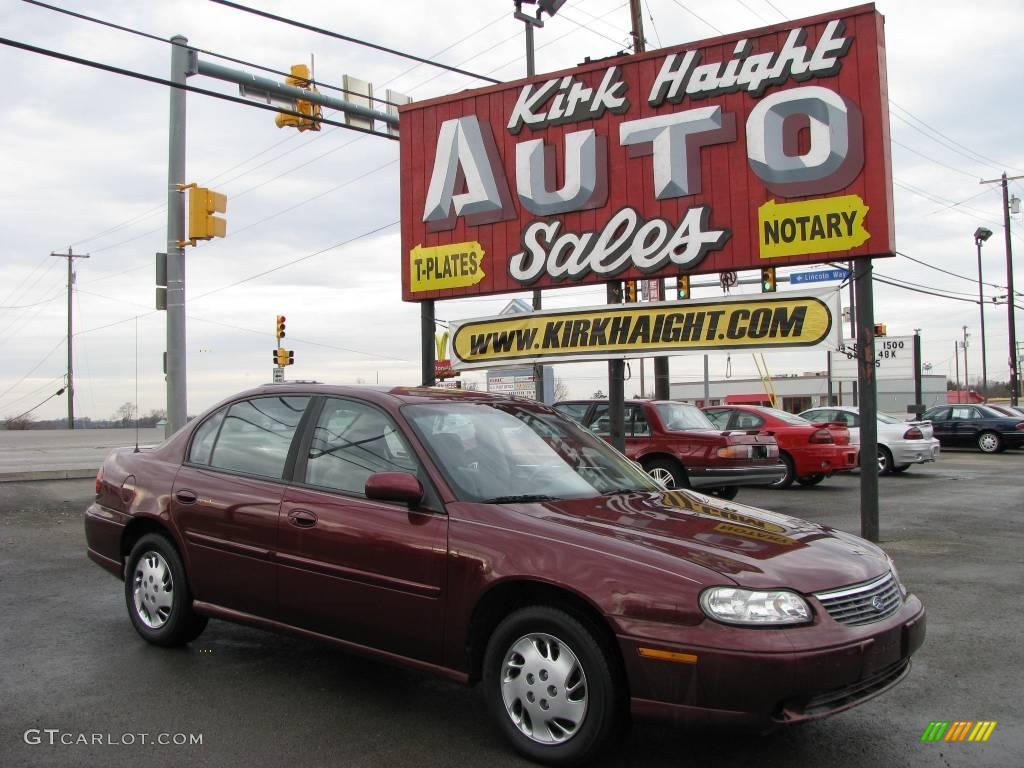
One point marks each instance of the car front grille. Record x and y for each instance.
(842, 698)
(863, 603)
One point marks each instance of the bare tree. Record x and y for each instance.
(19, 422)
(124, 414)
(561, 390)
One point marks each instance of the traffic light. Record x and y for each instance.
(291, 357)
(202, 204)
(768, 280)
(880, 329)
(310, 121)
(280, 326)
(283, 357)
(631, 291)
(683, 287)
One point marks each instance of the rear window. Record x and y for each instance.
(257, 434)
(680, 416)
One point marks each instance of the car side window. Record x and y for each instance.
(257, 434)
(575, 411)
(719, 418)
(599, 422)
(962, 413)
(636, 422)
(352, 441)
(204, 437)
(748, 420)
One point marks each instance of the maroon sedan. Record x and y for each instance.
(485, 538)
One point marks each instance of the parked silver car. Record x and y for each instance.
(900, 443)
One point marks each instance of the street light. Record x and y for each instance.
(981, 234)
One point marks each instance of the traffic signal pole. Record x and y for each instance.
(182, 63)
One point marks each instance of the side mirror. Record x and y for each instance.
(394, 486)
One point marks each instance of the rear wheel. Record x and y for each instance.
(786, 480)
(669, 473)
(884, 460)
(811, 479)
(156, 591)
(552, 687)
(990, 442)
(900, 468)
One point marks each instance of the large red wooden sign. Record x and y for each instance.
(767, 148)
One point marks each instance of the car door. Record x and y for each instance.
(226, 497)
(964, 424)
(942, 426)
(368, 572)
(638, 431)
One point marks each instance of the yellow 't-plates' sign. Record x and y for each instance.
(811, 226)
(457, 265)
(637, 330)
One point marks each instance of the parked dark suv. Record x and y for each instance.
(679, 446)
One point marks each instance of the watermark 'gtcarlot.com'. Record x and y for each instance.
(57, 737)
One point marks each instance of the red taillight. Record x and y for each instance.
(821, 436)
(913, 434)
(99, 481)
(1020, 426)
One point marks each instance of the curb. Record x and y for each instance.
(48, 474)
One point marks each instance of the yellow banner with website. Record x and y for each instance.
(647, 330)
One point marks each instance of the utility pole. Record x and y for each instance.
(1011, 321)
(956, 354)
(71, 368)
(967, 380)
(182, 65)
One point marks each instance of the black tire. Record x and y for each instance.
(884, 460)
(990, 442)
(790, 476)
(667, 472)
(811, 479)
(556, 642)
(163, 613)
(900, 468)
(728, 493)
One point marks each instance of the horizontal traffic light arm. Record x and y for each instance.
(285, 95)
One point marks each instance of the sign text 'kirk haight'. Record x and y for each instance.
(765, 147)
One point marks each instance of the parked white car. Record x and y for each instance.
(900, 443)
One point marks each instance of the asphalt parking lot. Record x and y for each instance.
(70, 661)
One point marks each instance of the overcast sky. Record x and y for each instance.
(85, 165)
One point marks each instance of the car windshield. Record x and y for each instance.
(680, 416)
(786, 416)
(506, 452)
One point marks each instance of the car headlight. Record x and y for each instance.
(896, 576)
(754, 607)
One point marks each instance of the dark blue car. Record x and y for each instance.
(980, 425)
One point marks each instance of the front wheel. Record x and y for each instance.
(552, 687)
(157, 593)
(990, 442)
(728, 492)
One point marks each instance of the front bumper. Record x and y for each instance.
(764, 678)
(716, 477)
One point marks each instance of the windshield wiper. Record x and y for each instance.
(618, 491)
(524, 497)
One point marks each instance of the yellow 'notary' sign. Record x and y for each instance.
(437, 267)
(811, 226)
(637, 330)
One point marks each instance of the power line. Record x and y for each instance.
(921, 290)
(224, 57)
(653, 26)
(27, 395)
(699, 18)
(932, 159)
(946, 271)
(349, 39)
(46, 357)
(181, 86)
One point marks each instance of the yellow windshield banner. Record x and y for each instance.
(812, 226)
(639, 330)
(436, 267)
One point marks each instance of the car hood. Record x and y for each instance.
(749, 546)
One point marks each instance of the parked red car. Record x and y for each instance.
(485, 538)
(680, 448)
(811, 451)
